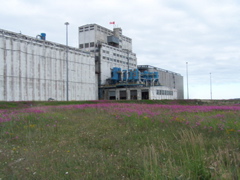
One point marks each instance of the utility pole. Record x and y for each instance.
(187, 80)
(211, 85)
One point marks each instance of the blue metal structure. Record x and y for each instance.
(136, 76)
(116, 75)
(133, 76)
(43, 36)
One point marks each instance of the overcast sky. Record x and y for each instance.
(165, 34)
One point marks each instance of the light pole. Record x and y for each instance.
(127, 51)
(187, 80)
(211, 85)
(66, 23)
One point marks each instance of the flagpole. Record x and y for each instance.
(113, 23)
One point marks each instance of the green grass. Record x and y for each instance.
(94, 143)
(25, 104)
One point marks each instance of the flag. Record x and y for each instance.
(112, 22)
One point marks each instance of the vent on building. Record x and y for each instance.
(113, 41)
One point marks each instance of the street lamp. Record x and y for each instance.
(127, 51)
(211, 85)
(187, 80)
(66, 23)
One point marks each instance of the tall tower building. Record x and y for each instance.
(111, 49)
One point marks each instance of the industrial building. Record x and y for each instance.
(114, 50)
(33, 69)
(102, 67)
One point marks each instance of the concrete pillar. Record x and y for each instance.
(139, 94)
(117, 94)
(128, 94)
(106, 94)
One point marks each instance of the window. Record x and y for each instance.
(92, 44)
(86, 45)
(80, 45)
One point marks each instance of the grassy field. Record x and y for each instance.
(177, 140)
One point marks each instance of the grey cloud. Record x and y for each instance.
(166, 34)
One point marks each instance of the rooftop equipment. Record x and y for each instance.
(42, 36)
(133, 76)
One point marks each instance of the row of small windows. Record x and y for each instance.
(104, 51)
(118, 61)
(164, 92)
(86, 28)
(126, 39)
(118, 55)
(130, 58)
(116, 49)
(104, 30)
(86, 45)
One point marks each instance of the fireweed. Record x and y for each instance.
(120, 140)
(207, 117)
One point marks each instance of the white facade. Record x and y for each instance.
(162, 92)
(139, 93)
(35, 70)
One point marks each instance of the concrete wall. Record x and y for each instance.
(32, 69)
(172, 80)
